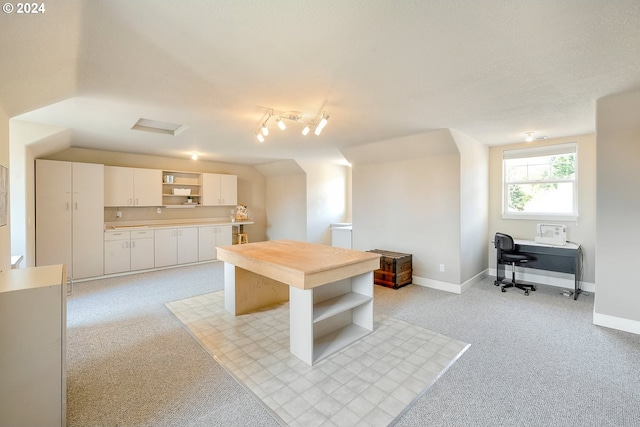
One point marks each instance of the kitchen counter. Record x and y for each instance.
(129, 225)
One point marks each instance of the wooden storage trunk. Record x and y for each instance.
(395, 269)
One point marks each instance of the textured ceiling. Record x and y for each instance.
(381, 69)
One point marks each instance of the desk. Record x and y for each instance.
(329, 289)
(563, 259)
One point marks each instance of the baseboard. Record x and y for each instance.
(449, 287)
(560, 280)
(618, 323)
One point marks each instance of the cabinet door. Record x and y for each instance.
(53, 213)
(210, 189)
(118, 186)
(142, 253)
(187, 245)
(166, 247)
(228, 190)
(88, 220)
(117, 256)
(224, 236)
(147, 185)
(207, 243)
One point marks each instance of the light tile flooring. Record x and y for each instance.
(370, 383)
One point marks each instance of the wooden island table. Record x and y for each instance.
(329, 289)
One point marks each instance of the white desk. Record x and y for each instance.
(330, 290)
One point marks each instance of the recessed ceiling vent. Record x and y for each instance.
(159, 127)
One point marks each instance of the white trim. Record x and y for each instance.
(560, 280)
(626, 325)
(449, 287)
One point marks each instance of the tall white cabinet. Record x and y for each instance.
(70, 216)
(33, 326)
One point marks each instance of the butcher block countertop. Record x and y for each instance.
(300, 264)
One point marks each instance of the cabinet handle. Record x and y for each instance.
(137, 202)
(67, 205)
(133, 244)
(76, 205)
(130, 201)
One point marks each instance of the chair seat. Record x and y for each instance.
(515, 257)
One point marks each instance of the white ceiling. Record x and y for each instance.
(491, 69)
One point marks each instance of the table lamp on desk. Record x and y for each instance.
(551, 234)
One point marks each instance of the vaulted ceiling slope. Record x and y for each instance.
(381, 69)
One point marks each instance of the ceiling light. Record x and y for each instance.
(194, 155)
(294, 116)
(529, 136)
(323, 121)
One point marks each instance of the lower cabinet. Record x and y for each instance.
(210, 236)
(128, 251)
(176, 246)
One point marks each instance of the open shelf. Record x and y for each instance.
(325, 309)
(336, 340)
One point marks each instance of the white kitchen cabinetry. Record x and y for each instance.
(129, 187)
(33, 358)
(219, 189)
(210, 236)
(176, 246)
(142, 249)
(117, 252)
(187, 245)
(128, 251)
(70, 216)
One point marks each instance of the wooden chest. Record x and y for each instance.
(395, 269)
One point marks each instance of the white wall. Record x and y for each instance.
(618, 212)
(326, 198)
(286, 200)
(581, 231)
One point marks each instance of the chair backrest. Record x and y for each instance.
(504, 242)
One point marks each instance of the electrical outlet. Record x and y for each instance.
(118, 214)
(441, 268)
(159, 210)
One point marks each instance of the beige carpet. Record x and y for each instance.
(371, 382)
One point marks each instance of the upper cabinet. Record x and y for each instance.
(132, 187)
(219, 189)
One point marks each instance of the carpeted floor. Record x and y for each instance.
(533, 361)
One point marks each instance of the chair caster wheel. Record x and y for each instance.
(526, 293)
(533, 288)
(504, 290)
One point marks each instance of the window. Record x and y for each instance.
(540, 182)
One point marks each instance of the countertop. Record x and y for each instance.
(129, 225)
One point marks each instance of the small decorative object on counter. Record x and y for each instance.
(241, 212)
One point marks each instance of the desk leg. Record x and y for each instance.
(301, 324)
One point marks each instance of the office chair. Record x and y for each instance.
(506, 254)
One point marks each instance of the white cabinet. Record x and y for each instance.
(128, 251)
(132, 187)
(142, 250)
(176, 246)
(117, 252)
(210, 236)
(219, 189)
(187, 245)
(70, 216)
(33, 357)
(166, 247)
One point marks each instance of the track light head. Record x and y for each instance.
(281, 124)
(306, 130)
(260, 137)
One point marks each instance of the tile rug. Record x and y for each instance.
(372, 382)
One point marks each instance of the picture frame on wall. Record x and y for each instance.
(4, 195)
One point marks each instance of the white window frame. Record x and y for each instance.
(539, 151)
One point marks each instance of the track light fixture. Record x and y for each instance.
(294, 116)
